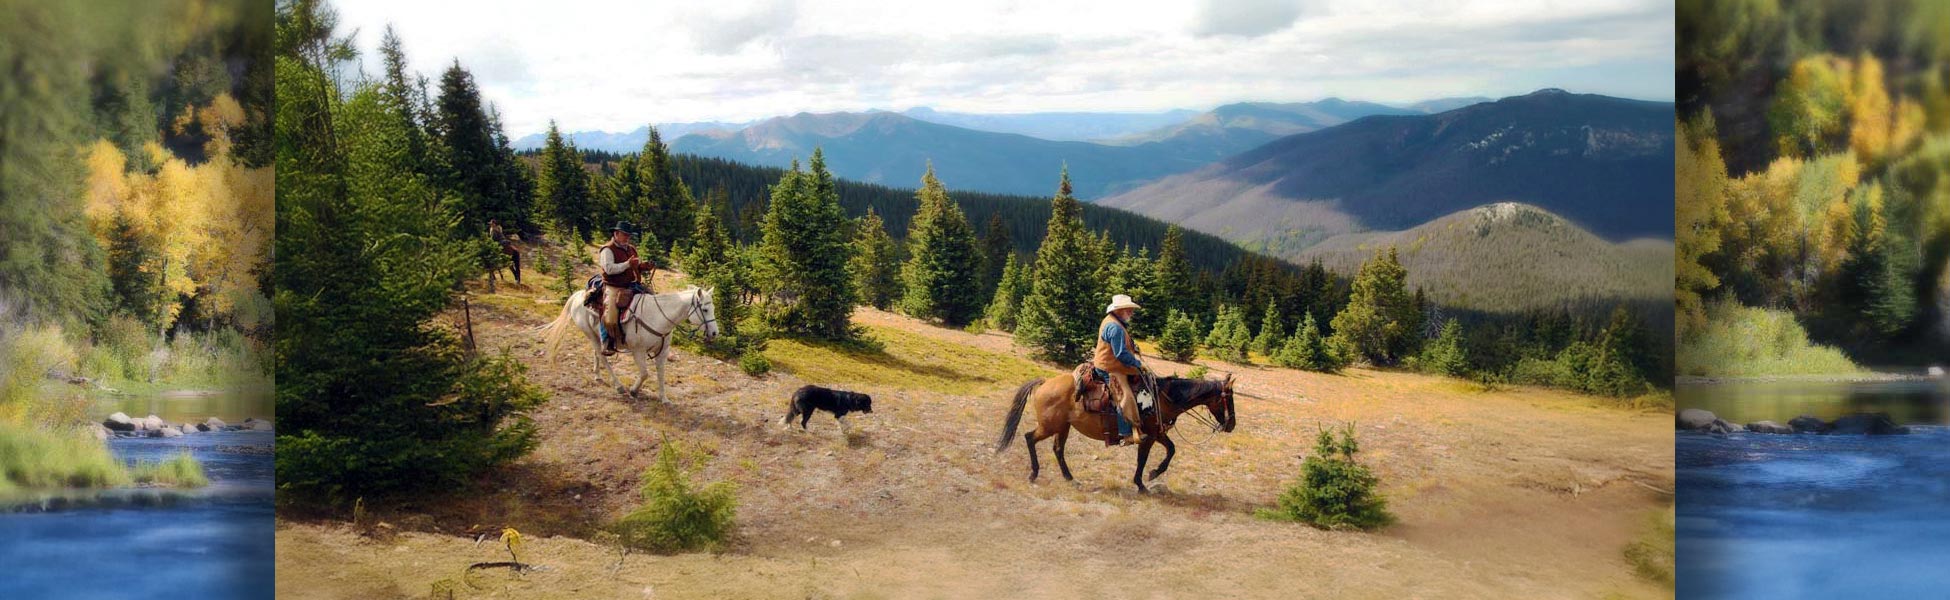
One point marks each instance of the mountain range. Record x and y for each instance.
(1057, 126)
(625, 142)
(894, 148)
(1603, 163)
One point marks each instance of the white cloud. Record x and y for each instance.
(617, 64)
(1246, 18)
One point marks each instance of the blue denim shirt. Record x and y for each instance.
(1113, 334)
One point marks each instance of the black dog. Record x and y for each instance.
(812, 397)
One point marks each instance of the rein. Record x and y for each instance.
(697, 305)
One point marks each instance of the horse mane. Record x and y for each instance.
(1181, 391)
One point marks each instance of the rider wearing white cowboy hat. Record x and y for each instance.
(1116, 354)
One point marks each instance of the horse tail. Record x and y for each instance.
(1015, 414)
(552, 336)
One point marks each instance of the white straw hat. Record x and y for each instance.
(1120, 301)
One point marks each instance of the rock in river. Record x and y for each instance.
(1768, 427)
(1808, 424)
(1693, 419)
(1867, 424)
(119, 422)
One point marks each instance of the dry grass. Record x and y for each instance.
(914, 503)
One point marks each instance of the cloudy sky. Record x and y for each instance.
(616, 65)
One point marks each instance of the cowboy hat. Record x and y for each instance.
(623, 226)
(1119, 301)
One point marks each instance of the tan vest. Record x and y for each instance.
(1104, 358)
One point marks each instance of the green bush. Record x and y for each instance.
(754, 363)
(1334, 492)
(1743, 341)
(26, 356)
(1179, 342)
(675, 515)
(121, 350)
(1197, 372)
(1445, 354)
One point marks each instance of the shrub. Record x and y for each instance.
(26, 356)
(754, 363)
(1741, 341)
(1334, 492)
(676, 516)
(1179, 342)
(1197, 372)
(1444, 355)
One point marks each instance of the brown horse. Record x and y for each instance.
(1057, 410)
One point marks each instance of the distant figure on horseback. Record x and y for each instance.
(507, 244)
(1116, 355)
(622, 280)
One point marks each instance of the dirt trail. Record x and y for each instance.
(1526, 493)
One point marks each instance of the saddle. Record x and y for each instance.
(594, 301)
(1093, 389)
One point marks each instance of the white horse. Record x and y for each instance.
(647, 328)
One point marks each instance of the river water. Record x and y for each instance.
(1804, 515)
(215, 542)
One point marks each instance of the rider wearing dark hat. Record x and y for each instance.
(621, 268)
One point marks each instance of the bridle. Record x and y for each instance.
(1207, 419)
(697, 306)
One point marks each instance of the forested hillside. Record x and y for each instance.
(1812, 179)
(135, 193)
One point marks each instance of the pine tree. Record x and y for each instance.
(804, 254)
(709, 248)
(473, 169)
(1445, 354)
(1179, 342)
(373, 396)
(564, 187)
(625, 194)
(666, 203)
(1271, 331)
(1307, 349)
(996, 250)
(1131, 274)
(876, 263)
(1172, 277)
(1058, 319)
(1229, 337)
(1009, 293)
(943, 270)
(1380, 322)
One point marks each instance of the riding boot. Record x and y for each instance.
(609, 341)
